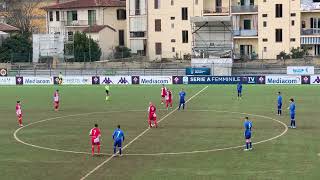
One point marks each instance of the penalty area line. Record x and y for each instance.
(140, 135)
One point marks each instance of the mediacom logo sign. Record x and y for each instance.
(283, 79)
(37, 80)
(155, 80)
(315, 79)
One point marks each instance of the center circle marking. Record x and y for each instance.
(150, 154)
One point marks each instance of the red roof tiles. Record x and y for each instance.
(7, 28)
(87, 4)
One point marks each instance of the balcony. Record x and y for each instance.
(79, 23)
(244, 9)
(245, 33)
(137, 12)
(312, 31)
(218, 11)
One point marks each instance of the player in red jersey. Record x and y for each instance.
(56, 100)
(168, 99)
(163, 93)
(95, 135)
(152, 115)
(19, 113)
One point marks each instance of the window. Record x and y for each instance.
(72, 16)
(265, 49)
(293, 39)
(278, 10)
(265, 40)
(278, 35)
(264, 23)
(264, 0)
(303, 24)
(121, 37)
(156, 4)
(292, 23)
(157, 24)
(172, 18)
(315, 22)
(121, 14)
(57, 16)
(264, 15)
(196, 2)
(293, 14)
(158, 49)
(185, 37)
(184, 13)
(173, 40)
(51, 16)
(137, 7)
(316, 0)
(173, 49)
(137, 34)
(246, 24)
(172, 25)
(172, 2)
(92, 19)
(70, 36)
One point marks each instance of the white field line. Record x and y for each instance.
(141, 134)
(159, 154)
(60, 117)
(150, 154)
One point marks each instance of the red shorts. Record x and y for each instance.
(152, 118)
(94, 143)
(163, 96)
(169, 101)
(19, 116)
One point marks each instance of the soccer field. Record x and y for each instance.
(203, 142)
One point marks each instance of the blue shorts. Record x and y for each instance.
(182, 102)
(239, 91)
(117, 143)
(247, 135)
(279, 106)
(292, 116)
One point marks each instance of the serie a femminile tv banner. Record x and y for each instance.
(218, 79)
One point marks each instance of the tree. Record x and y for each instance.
(298, 53)
(20, 14)
(84, 48)
(122, 52)
(17, 48)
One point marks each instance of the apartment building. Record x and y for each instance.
(310, 26)
(102, 20)
(161, 28)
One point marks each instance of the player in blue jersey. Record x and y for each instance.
(182, 102)
(279, 102)
(239, 89)
(292, 109)
(118, 138)
(247, 133)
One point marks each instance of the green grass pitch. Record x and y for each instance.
(213, 120)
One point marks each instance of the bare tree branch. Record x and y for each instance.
(20, 14)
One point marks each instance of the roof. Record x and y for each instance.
(97, 28)
(7, 28)
(87, 4)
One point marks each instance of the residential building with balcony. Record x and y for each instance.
(310, 26)
(102, 20)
